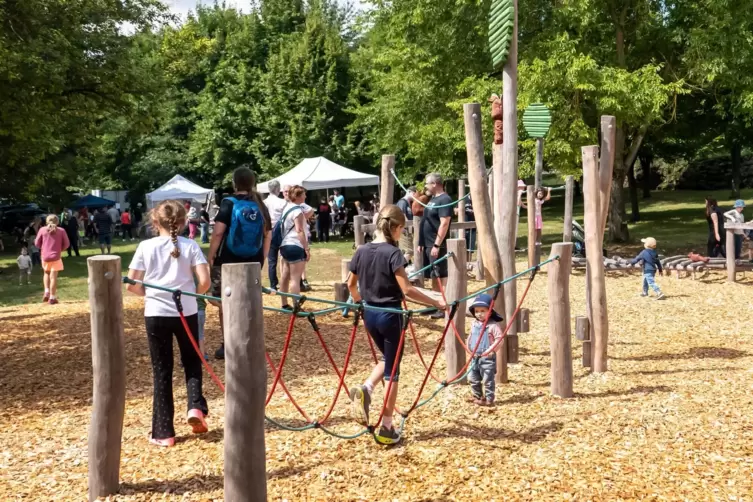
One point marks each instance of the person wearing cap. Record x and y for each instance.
(736, 216)
(651, 264)
(483, 368)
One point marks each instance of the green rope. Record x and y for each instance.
(421, 203)
(288, 428)
(504, 281)
(427, 267)
(344, 436)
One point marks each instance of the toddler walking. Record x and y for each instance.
(483, 369)
(24, 266)
(171, 262)
(651, 264)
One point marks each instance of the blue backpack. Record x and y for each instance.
(246, 236)
(277, 232)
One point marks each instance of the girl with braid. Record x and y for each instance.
(171, 261)
(378, 278)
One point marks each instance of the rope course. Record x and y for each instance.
(297, 312)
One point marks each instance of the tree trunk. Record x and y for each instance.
(736, 161)
(646, 161)
(636, 214)
(618, 232)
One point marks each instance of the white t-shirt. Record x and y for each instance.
(114, 214)
(289, 235)
(275, 207)
(161, 269)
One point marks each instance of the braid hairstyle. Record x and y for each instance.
(170, 215)
(389, 218)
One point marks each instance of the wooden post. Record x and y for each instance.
(731, 264)
(480, 272)
(461, 200)
(531, 212)
(510, 183)
(418, 258)
(558, 275)
(358, 222)
(539, 162)
(594, 236)
(108, 368)
(457, 287)
(567, 235)
(482, 210)
(524, 321)
(583, 332)
(344, 269)
(387, 192)
(606, 166)
(245, 382)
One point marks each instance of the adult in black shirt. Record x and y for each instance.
(715, 220)
(323, 220)
(204, 215)
(137, 216)
(104, 225)
(244, 183)
(435, 227)
(378, 278)
(71, 229)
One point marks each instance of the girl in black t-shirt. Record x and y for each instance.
(378, 278)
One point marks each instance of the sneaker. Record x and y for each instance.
(644, 295)
(305, 286)
(54, 301)
(287, 307)
(479, 401)
(437, 315)
(196, 420)
(361, 401)
(387, 436)
(46, 298)
(220, 352)
(660, 296)
(489, 403)
(165, 443)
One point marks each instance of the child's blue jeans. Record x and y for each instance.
(202, 318)
(483, 370)
(648, 281)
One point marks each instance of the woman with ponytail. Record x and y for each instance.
(171, 261)
(51, 241)
(378, 278)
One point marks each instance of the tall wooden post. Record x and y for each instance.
(482, 210)
(539, 162)
(457, 288)
(358, 223)
(594, 236)
(387, 192)
(533, 252)
(606, 168)
(461, 200)
(108, 368)
(418, 258)
(567, 234)
(509, 183)
(558, 276)
(245, 383)
(731, 264)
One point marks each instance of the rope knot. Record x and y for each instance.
(177, 299)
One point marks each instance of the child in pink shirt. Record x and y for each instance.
(52, 242)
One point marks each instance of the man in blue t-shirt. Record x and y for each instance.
(339, 200)
(435, 227)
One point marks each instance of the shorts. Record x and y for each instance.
(406, 244)
(386, 328)
(52, 266)
(293, 254)
(23, 271)
(105, 239)
(441, 266)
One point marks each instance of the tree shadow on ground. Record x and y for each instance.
(692, 353)
(641, 389)
(194, 484)
(673, 371)
(474, 431)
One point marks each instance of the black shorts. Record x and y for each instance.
(441, 266)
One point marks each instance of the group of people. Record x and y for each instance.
(716, 219)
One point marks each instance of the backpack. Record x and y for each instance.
(277, 232)
(246, 236)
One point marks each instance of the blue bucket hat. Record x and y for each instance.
(739, 203)
(485, 301)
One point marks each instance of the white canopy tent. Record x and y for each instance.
(179, 188)
(320, 174)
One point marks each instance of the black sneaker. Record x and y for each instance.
(287, 307)
(387, 436)
(439, 314)
(361, 400)
(305, 286)
(220, 353)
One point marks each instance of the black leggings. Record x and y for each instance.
(160, 332)
(715, 248)
(74, 245)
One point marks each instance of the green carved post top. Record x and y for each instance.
(501, 23)
(537, 120)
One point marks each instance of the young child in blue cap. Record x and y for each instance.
(736, 216)
(651, 264)
(483, 369)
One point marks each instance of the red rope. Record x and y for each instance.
(416, 345)
(329, 356)
(285, 389)
(345, 370)
(198, 351)
(452, 322)
(284, 356)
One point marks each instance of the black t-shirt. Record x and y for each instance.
(204, 216)
(375, 265)
(103, 222)
(225, 215)
(137, 216)
(432, 218)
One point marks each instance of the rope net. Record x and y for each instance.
(408, 330)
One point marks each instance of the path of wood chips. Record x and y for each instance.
(672, 420)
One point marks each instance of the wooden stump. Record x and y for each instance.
(341, 292)
(731, 264)
(558, 275)
(344, 269)
(358, 223)
(245, 383)
(108, 368)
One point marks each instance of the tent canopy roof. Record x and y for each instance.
(92, 201)
(179, 188)
(319, 174)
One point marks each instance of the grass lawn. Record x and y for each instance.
(676, 219)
